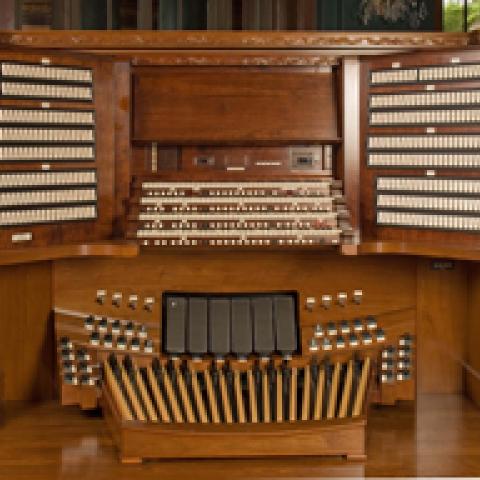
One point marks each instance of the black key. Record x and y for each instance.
(242, 329)
(175, 323)
(285, 328)
(219, 326)
(263, 336)
(197, 332)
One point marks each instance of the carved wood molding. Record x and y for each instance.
(235, 59)
(153, 40)
(57, 252)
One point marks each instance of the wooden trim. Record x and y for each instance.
(241, 58)
(351, 139)
(39, 254)
(134, 40)
(453, 251)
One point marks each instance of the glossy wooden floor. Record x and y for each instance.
(49, 442)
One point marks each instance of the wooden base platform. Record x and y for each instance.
(47, 441)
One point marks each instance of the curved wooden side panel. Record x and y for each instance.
(57, 252)
(138, 440)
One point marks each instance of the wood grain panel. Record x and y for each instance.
(371, 232)
(473, 336)
(205, 106)
(7, 19)
(108, 40)
(311, 274)
(74, 232)
(26, 342)
(441, 327)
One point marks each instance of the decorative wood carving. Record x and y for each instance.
(236, 59)
(103, 40)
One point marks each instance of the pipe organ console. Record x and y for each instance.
(236, 312)
(229, 359)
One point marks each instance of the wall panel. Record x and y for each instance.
(473, 336)
(441, 326)
(26, 340)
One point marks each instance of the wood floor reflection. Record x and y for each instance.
(49, 442)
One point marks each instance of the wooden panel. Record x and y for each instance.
(26, 342)
(195, 105)
(473, 336)
(27, 255)
(122, 112)
(76, 231)
(350, 111)
(311, 274)
(372, 232)
(441, 327)
(7, 19)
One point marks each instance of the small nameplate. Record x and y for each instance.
(268, 164)
(429, 87)
(396, 64)
(455, 60)
(45, 166)
(45, 61)
(430, 173)
(45, 105)
(442, 265)
(22, 237)
(235, 169)
(430, 130)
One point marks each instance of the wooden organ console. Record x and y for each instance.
(265, 277)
